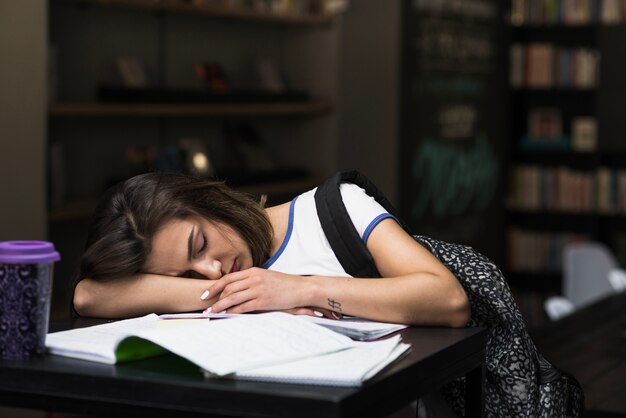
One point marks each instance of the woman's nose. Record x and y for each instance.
(212, 269)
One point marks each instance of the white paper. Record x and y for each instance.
(97, 343)
(219, 347)
(345, 368)
(270, 347)
(248, 341)
(356, 328)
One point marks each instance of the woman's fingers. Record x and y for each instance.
(238, 302)
(304, 311)
(234, 287)
(327, 313)
(217, 287)
(258, 289)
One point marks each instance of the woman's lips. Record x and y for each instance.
(235, 267)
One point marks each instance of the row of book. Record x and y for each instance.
(537, 251)
(297, 7)
(567, 12)
(545, 131)
(545, 65)
(562, 189)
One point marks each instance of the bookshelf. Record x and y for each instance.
(566, 179)
(75, 93)
(95, 141)
(77, 110)
(265, 12)
(82, 209)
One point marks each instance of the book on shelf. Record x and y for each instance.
(538, 64)
(544, 65)
(611, 191)
(584, 134)
(545, 123)
(562, 189)
(132, 72)
(612, 12)
(537, 251)
(566, 12)
(271, 347)
(516, 65)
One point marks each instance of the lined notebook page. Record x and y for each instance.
(219, 347)
(247, 342)
(345, 368)
(97, 343)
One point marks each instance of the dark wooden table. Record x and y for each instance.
(591, 345)
(170, 386)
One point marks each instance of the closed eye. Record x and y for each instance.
(204, 244)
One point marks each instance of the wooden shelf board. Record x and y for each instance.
(83, 208)
(198, 8)
(543, 213)
(97, 109)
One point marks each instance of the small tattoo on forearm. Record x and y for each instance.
(334, 304)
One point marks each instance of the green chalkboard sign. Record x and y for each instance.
(453, 96)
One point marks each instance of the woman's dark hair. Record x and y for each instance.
(129, 215)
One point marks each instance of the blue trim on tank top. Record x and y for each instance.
(275, 257)
(373, 224)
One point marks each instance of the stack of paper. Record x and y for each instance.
(355, 328)
(344, 368)
(273, 347)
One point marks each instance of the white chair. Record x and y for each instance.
(557, 307)
(617, 278)
(590, 272)
(586, 268)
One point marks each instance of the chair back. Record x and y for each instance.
(617, 278)
(557, 307)
(586, 267)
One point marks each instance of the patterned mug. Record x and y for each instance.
(26, 270)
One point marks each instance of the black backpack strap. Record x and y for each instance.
(342, 236)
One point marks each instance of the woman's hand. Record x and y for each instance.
(318, 312)
(257, 289)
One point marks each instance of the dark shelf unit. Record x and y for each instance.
(570, 35)
(550, 227)
(91, 133)
(571, 101)
(603, 101)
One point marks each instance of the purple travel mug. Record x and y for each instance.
(26, 270)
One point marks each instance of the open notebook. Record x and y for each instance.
(272, 347)
(355, 328)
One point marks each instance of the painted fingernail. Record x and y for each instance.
(223, 312)
(318, 313)
(205, 295)
(207, 310)
(336, 315)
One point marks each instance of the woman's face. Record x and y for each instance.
(195, 247)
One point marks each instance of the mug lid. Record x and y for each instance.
(27, 252)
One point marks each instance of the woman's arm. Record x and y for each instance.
(416, 288)
(139, 295)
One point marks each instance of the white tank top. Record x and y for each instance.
(305, 249)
